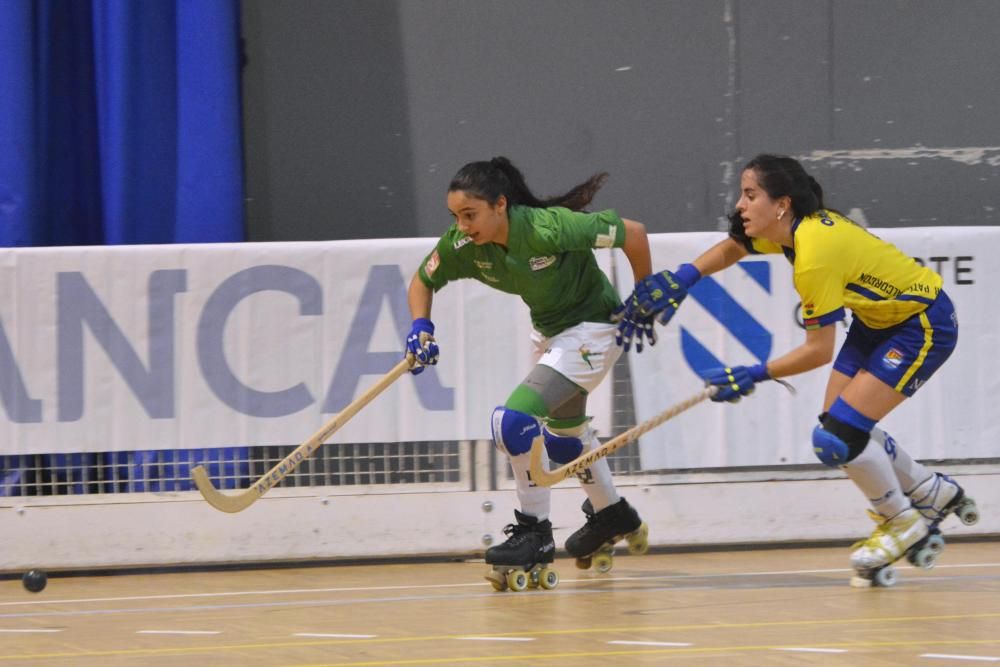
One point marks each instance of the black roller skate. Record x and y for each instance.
(594, 544)
(523, 560)
(905, 534)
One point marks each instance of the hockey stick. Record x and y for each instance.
(242, 500)
(543, 477)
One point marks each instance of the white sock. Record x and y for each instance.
(873, 473)
(596, 480)
(909, 473)
(535, 500)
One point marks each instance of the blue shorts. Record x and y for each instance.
(904, 356)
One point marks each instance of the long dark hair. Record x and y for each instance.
(487, 180)
(781, 176)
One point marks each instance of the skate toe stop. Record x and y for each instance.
(860, 582)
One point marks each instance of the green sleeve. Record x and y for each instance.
(441, 265)
(561, 230)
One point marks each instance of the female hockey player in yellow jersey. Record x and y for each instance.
(904, 327)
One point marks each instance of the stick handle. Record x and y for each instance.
(547, 478)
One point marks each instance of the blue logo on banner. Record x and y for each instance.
(740, 323)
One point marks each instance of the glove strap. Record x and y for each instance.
(687, 275)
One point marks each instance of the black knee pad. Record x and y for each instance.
(855, 439)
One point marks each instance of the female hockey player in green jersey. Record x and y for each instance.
(542, 251)
(904, 327)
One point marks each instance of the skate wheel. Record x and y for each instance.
(548, 579)
(517, 580)
(638, 541)
(936, 543)
(498, 582)
(886, 577)
(583, 563)
(924, 558)
(967, 512)
(603, 562)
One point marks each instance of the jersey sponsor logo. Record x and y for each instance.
(482, 265)
(433, 262)
(916, 384)
(606, 240)
(808, 309)
(539, 263)
(879, 284)
(465, 240)
(893, 358)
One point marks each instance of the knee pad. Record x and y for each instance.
(513, 431)
(836, 443)
(564, 446)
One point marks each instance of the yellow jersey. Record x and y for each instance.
(838, 264)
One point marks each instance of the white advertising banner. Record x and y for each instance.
(191, 346)
(749, 313)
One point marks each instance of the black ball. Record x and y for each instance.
(35, 580)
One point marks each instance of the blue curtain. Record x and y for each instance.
(120, 122)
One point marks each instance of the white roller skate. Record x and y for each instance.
(594, 544)
(905, 534)
(938, 496)
(523, 560)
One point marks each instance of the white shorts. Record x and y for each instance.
(583, 354)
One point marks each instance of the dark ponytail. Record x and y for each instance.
(489, 180)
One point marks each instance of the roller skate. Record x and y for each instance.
(938, 496)
(523, 560)
(594, 544)
(905, 534)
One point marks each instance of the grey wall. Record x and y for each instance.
(358, 112)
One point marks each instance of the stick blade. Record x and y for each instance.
(217, 499)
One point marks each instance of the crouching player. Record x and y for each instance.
(542, 251)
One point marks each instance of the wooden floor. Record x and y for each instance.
(768, 607)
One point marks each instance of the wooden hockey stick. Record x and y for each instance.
(543, 477)
(242, 500)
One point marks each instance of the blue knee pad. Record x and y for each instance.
(562, 448)
(514, 431)
(829, 449)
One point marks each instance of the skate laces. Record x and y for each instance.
(516, 532)
(876, 542)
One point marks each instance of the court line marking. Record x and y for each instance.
(476, 584)
(804, 649)
(330, 635)
(948, 656)
(497, 639)
(30, 630)
(569, 631)
(178, 632)
(593, 654)
(624, 642)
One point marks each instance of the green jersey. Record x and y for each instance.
(549, 262)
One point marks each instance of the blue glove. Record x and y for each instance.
(662, 293)
(736, 382)
(420, 345)
(631, 323)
